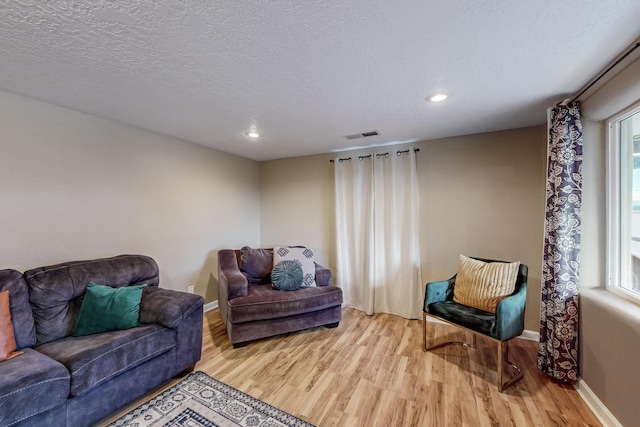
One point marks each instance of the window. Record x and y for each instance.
(624, 203)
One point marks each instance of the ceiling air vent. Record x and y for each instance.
(363, 134)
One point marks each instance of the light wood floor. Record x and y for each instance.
(371, 371)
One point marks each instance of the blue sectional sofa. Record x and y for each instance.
(63, 380)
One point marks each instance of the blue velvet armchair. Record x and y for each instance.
(506, 324)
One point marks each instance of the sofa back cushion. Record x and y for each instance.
(57, 291)
(21, 314)
(256, 265)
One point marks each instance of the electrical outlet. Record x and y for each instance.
(190, 289)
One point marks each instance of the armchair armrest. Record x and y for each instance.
(324, 277)
(510, 314)
(167, 307)
(232, 282)
(438, 292)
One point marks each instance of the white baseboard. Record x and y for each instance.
(211, 306)
(530, 335)
(434, 320)
(595, 404)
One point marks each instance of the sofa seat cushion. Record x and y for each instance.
(469, 317)
(94, 359)
(31, 384)
(263, 302)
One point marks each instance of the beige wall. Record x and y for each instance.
(73, 186)
(483, 195)
(297, 204)
(480, 195)
(610, 325)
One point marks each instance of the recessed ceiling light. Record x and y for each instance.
(253, 134)
(438, 98)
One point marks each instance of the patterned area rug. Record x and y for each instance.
(201, 401)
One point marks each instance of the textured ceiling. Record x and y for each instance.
(305, 73)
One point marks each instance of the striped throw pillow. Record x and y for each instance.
(483, 284)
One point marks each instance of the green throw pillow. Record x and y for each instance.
(108, 309)
(287, 276)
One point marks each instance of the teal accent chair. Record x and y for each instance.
(506, 324)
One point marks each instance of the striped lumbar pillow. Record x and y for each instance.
(483, 284)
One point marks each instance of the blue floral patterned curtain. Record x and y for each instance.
(558, 351)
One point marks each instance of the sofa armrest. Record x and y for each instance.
(230, 278)
(510, 314)
(324, 277)
(438, 292)
(167, 307)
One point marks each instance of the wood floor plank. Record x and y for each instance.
(371, 371)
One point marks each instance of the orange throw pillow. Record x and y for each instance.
(7, 339)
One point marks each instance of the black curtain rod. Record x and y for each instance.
(604, 73)
(415, 150)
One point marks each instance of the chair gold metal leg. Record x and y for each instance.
(503, 353)
(442, 344)
(500, 363)
(426, 347)
(424, 324)
(503, 361)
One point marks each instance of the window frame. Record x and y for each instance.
(614, 200)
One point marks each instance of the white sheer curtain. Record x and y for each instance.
(378, 265)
